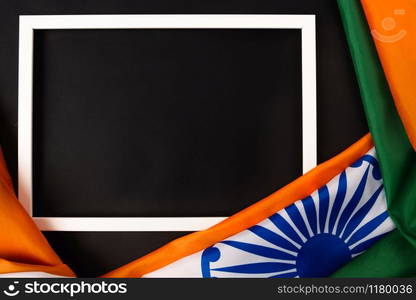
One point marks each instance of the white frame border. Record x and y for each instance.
(27, 24)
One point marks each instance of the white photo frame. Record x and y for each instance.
(27, 25)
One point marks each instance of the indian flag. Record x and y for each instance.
(310, 228)
(352, 216)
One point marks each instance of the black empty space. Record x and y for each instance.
(92, 254)
(184, 122)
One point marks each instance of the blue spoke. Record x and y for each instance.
(272, 237)
(297, 219)
(323, 206)
(339, 199)
(352, 204)
(285, 227)
(366, 244)
(260, 250)
(310, 210)
(361, 213)
(368, 228)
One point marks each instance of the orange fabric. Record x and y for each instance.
(7, 266)
(22, 245)
(296, 190)
(393, 27)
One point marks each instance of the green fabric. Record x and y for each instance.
(394, 255)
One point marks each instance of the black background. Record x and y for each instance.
(164, 122)
(340, 116)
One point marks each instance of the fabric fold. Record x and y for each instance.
(396, 155)
(339, 206)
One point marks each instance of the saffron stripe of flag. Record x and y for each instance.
(393, 28)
